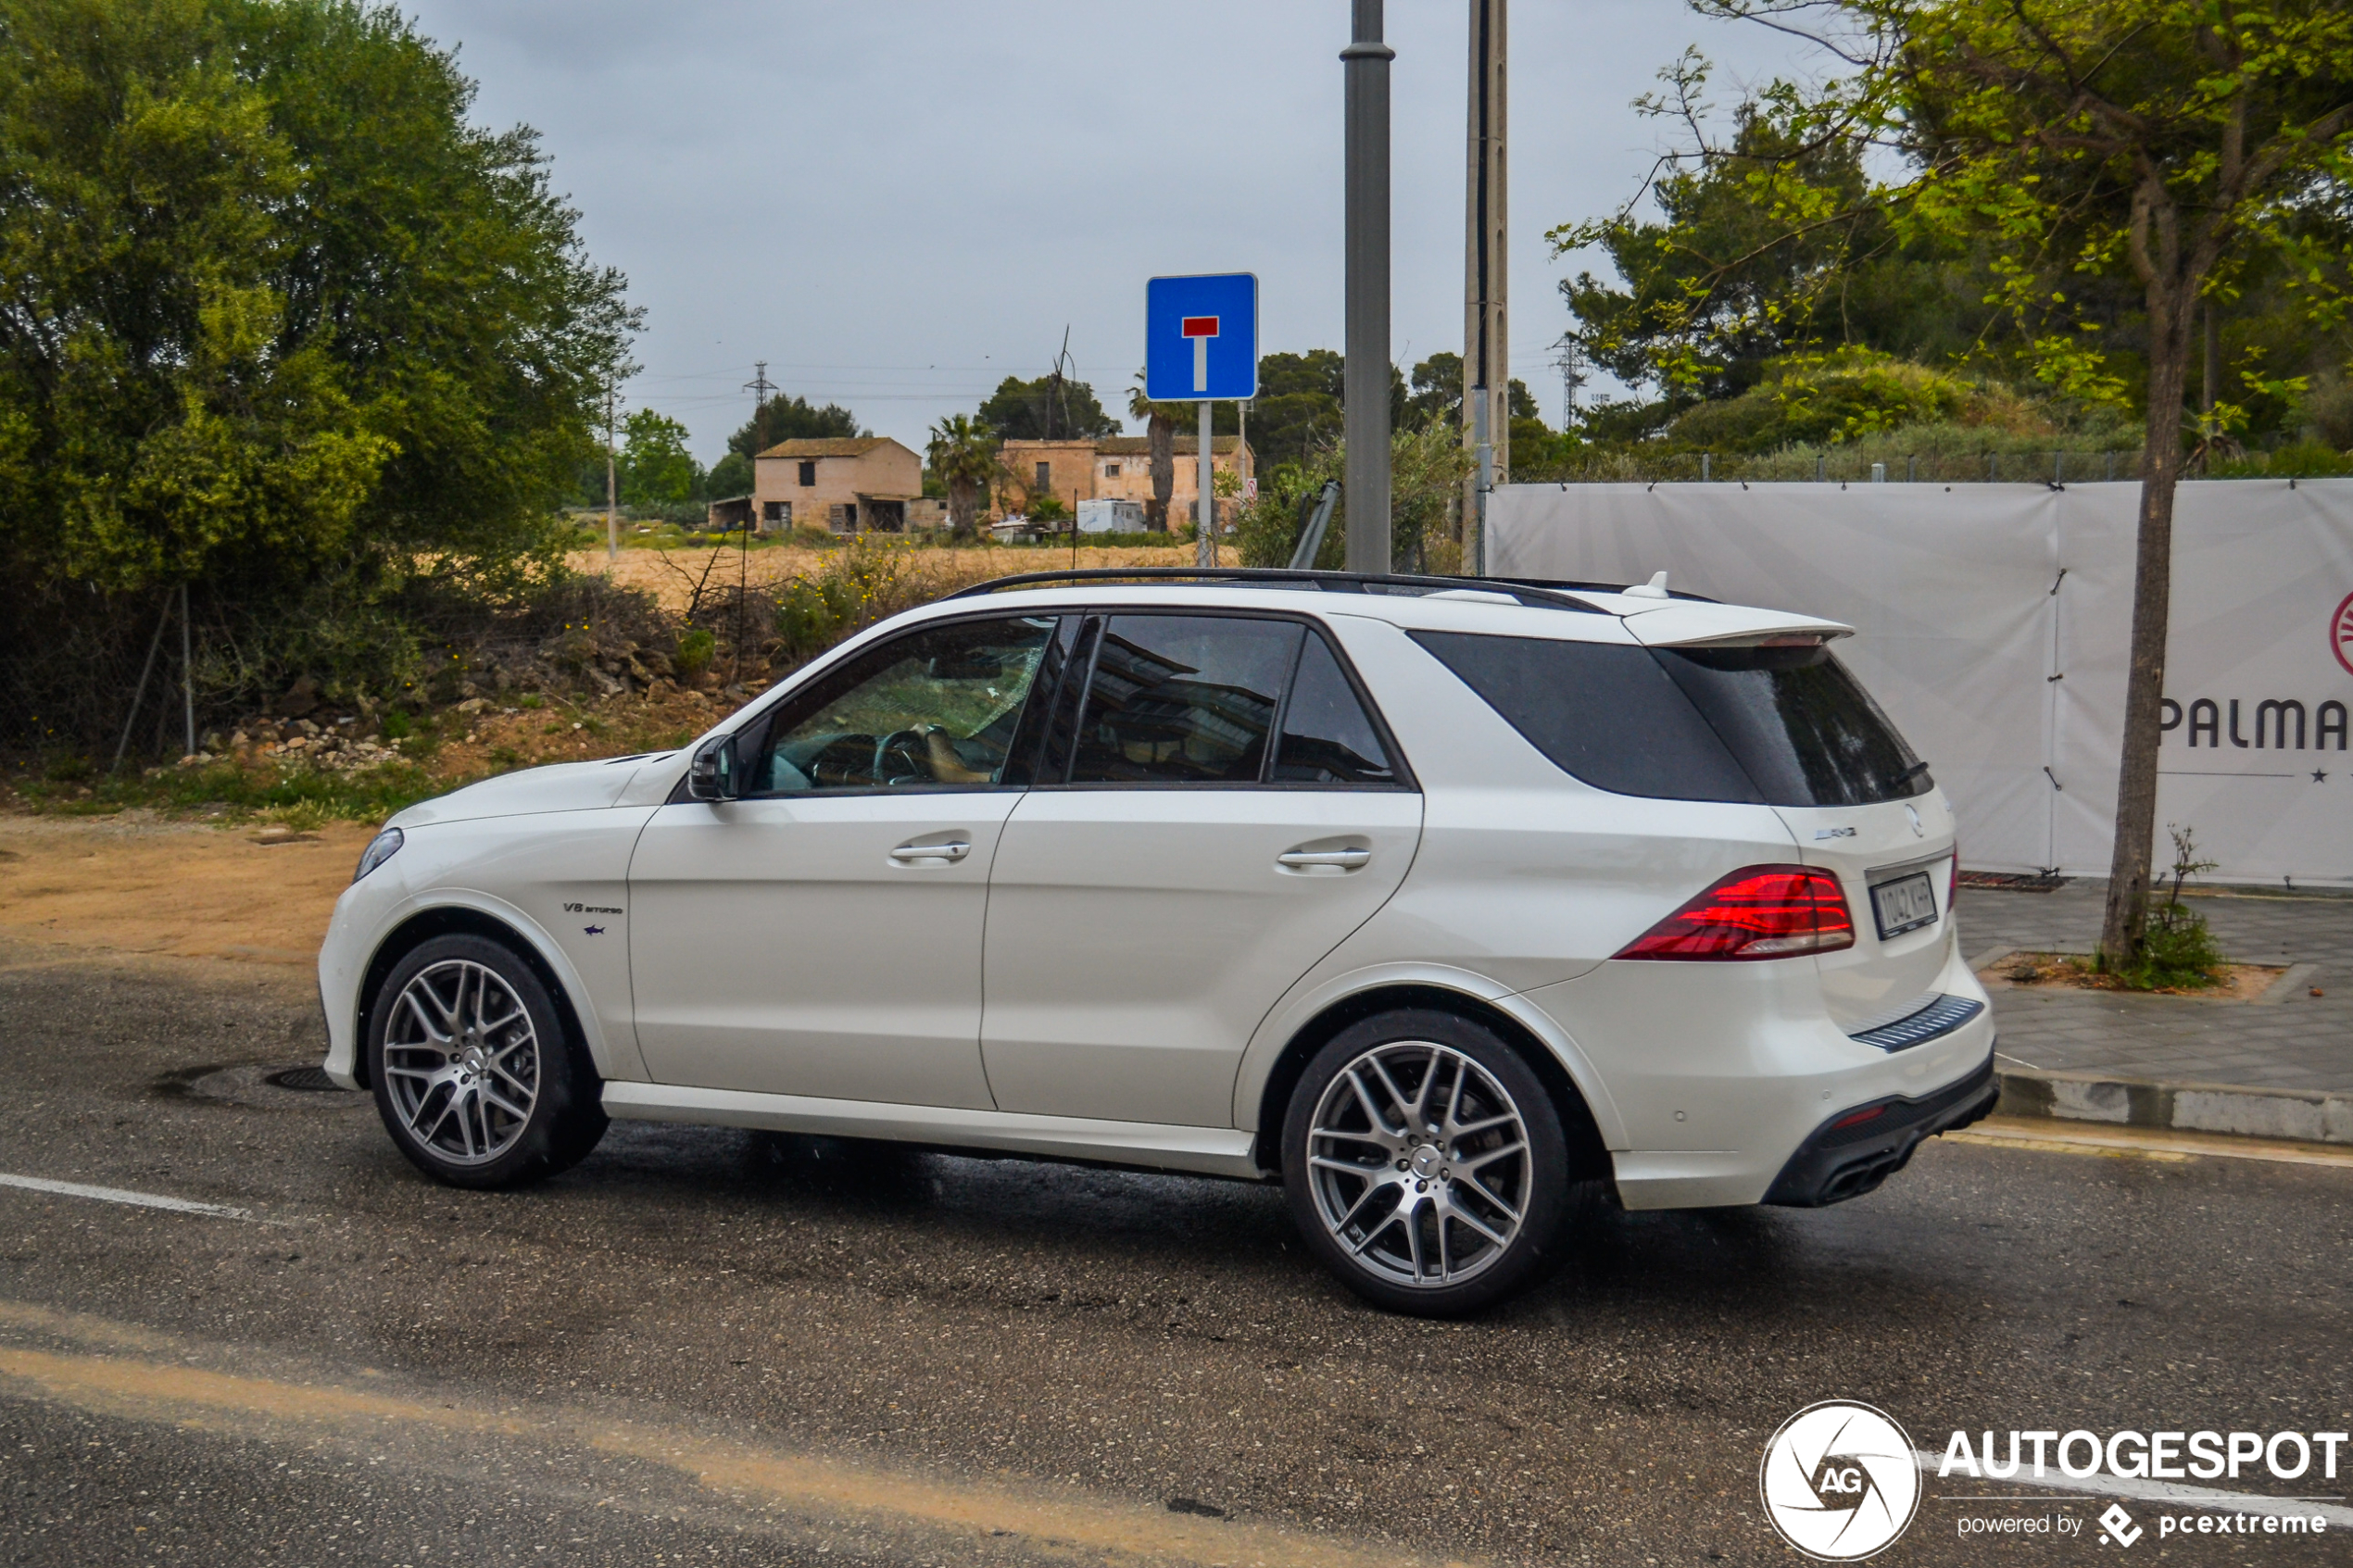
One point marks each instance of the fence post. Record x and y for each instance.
(1817, 467)
(1707, 467)
(1911, 467)
(1990, 458)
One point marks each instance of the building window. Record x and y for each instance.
(1110, 470)
(1045, 476)
(808, 473)
(777, 514)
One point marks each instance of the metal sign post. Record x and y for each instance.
(1200, 346)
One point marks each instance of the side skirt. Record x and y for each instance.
(1210, 1151)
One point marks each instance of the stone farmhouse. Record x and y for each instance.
(846, 484)
(1115, 468)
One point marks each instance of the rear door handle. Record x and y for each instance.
(1346, 859)
(952, 850)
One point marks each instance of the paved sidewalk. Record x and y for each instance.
(2297, 1042)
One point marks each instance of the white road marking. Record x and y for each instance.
(119, 1195)
(2160, 1492)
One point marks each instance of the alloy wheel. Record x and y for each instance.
(461, 1061)
(1419, 1164)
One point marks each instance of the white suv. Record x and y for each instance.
(1443, 902)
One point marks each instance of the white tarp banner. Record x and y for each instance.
(1992, 622)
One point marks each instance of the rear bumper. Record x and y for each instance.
(1856, 1150)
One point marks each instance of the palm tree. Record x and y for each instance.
(1161, 422)
(964, 454)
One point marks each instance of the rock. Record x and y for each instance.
(193, 760)
(300, 699)
(605, 683)
(307, 728)
(473, 705)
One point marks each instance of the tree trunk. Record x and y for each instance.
(1164, 440)
(2171, 304)
(961, 496)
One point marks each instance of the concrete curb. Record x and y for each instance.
(2296, 1115)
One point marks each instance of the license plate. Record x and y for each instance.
(1906, 904)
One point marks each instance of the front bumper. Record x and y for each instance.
(1856, 1150)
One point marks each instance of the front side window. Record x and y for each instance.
(935, 709)
(808, 473)
(1183, 700)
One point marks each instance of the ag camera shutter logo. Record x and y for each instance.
(1840, 1481)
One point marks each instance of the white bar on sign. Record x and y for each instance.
(1201, 364)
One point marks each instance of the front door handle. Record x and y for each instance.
(950, 850)
(1301, 860)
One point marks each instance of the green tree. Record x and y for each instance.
(2171, 148)
(656, 469)
(275, 320)
(1046, 410)
(964, 454)
(787, 417)
(1161, 420)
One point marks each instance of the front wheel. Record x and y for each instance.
(1424, 1163)
(472, 1070)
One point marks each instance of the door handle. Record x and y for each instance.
(952, 850)
(1345, 860)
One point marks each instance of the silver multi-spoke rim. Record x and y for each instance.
(1419, 1164)
(461, 1061)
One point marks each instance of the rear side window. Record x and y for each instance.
(1780, 726)
(1183, 700)
(1327, 736)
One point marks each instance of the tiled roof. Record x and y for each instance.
(829, 447)
(1141, 446)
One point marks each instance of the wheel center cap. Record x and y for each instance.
(1426, 1160)
(472, 1061)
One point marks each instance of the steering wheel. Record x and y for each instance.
(902, 757)
(844, 759)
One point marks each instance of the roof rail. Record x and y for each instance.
(1566, 585)
(1542, 595)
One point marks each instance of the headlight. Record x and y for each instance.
(382, 848)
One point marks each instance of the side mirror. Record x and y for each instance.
(711, 772)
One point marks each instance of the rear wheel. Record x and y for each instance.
(473, 1074)
(1424, 1163)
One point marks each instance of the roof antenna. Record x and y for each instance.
(1653, 589)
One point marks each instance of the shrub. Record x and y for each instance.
(695, 648)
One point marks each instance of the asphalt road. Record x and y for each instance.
(703, 1346)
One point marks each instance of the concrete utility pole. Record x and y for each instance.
(1365, 388)
(613, 491)
(1486, 360)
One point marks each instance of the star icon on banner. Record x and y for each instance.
(2320, 775)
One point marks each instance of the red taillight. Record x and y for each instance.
(1859, 1117)
(1756, 913)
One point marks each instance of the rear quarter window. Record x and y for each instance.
(1779, 726)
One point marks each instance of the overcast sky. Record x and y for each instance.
(899, 202)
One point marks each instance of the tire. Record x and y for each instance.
(1392, 1209)
(474, 1075)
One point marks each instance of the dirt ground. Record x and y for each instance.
(2241, 982)
(671, 575)
(136, 885)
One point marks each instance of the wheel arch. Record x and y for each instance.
(1581, 1117)
(459, 920)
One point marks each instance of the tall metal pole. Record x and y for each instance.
(1205, 504)
(1487, 364)
(1367, 383)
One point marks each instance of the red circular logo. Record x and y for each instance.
(2341, 633)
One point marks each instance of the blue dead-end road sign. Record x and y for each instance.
(1200, 337)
